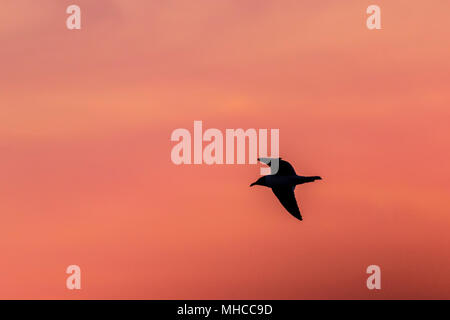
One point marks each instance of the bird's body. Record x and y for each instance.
(282, 181)
(274, 181)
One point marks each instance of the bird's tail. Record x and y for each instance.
(312, 179)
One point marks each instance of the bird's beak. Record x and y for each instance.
(252, 184)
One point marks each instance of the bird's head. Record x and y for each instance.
(260, 182)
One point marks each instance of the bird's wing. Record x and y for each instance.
(286, 196)
(284, 167)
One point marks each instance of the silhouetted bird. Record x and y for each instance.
(283, 183)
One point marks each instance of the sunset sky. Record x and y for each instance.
(86, 176)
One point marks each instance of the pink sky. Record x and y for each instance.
(85, 170)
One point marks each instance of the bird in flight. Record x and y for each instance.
(283, 182)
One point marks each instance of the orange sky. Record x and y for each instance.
(85, 170)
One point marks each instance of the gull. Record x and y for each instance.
(283, 182)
